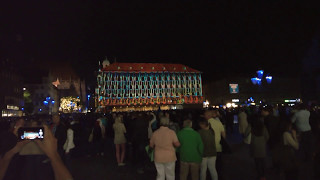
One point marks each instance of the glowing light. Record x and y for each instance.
(40, 109)
(22, 109)
(251, 99)
(269, 79)
(235, 100)
(254, 81)
(260, 73)
(206, 104)
(52, 101)
(259, 81)
(45, 102)
(24, 88)
(89, 96)
(229, 105)
(69, 104)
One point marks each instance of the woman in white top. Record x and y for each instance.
(69, 144)
(120, 140)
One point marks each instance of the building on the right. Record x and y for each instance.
(310, 80)
(241, 90)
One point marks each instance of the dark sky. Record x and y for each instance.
(211, 36)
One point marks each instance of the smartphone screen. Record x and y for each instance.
(31, 133)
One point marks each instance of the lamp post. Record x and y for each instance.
(88, 102)
(260, 76)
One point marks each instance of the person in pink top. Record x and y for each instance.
(164, 141)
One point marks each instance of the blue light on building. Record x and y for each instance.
(52, 101)
(22, 109)
(45, 102)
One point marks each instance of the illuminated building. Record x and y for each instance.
(11, 87)
(60, 81)
(127, 86)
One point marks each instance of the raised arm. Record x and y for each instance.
(6, 159)
(49, 146)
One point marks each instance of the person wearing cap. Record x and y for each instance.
(48, 146)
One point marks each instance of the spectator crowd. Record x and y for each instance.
(179, 143)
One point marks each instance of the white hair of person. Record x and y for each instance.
(164, 121)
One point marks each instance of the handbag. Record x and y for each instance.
(150, 152)
(91, 136)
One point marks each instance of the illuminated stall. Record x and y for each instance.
(146, 86)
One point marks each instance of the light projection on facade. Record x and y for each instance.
(131, 84)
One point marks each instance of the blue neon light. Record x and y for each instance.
(52, 101)
(45, 102)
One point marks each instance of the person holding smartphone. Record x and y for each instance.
(49, 146)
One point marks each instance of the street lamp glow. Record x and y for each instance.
(259, 81)
(260, 73)
(24, 88)
(269, 79)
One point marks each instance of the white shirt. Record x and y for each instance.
(301, 119)
(69, 144)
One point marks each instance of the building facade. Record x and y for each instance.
(11, 99)
(131, 85)
(60, 82)
(311, 72)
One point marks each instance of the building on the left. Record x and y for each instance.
(11, 89)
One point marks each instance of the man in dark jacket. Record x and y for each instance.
(272, 124)
(60, 133)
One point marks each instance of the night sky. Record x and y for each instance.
(216, 38)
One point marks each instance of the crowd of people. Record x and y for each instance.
(194, 141)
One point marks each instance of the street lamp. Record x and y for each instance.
(258, 79)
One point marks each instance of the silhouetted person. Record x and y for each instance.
(60, 133)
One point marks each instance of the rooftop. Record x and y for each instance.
(148, 67)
